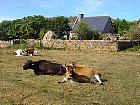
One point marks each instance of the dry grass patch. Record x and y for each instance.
(18, 87)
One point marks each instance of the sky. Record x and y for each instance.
(17, 9)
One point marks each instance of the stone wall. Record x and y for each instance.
(5, 43)
(91, 45)
(85, 45)
(82, 44)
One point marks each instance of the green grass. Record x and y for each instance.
(19, 87)
(134, 49)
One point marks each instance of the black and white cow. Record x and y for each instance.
(45, 67)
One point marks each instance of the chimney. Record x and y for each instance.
(80, 16)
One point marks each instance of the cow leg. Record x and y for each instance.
(64, 80)
(93, 79)
(97, 77)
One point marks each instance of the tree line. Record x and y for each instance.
(126, 29)
(34, 27)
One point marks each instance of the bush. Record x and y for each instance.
(134, 48)
(134, 33)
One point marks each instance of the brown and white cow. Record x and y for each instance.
(25, 52)
(20, 52)
(80, 73)
(29, 51)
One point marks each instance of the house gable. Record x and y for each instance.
(101, 24)
(108, 28)
(96, 23)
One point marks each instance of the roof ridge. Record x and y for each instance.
(96, 16)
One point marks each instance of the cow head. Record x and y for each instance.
(28, 65)
(69, 69)
(68, 75)
(72, 66)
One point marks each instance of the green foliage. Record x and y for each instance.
(121, 26)
(134, 33)
(72, 18)
(61, 26)
(33, 27)
(4, 30)
(134, 48)
(42, 33)
(84, 33)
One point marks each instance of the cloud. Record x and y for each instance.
(89, 6)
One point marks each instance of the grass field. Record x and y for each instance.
(121, 69)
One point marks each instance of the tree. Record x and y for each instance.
(84, 33)
(121, 26)
(134, 33)
(4, 28)
(42, 33)
(60, 26)
(33, 27)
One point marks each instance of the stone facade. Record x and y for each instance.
(91, 45)
(84, 45)
(5, 43)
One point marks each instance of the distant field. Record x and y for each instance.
(122, 70)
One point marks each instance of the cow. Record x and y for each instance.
(29, 51)
(44, 67)
(25, 52)
(80, 73)
(19, 52)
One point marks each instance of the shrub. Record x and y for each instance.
(134, 48)
(134, 33)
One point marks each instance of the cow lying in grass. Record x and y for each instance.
(45, 67)
(80, 73)
(26, 52)
(20, 52)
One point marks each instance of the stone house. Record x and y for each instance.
(100, 24)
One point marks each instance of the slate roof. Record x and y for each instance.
(102, 24)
